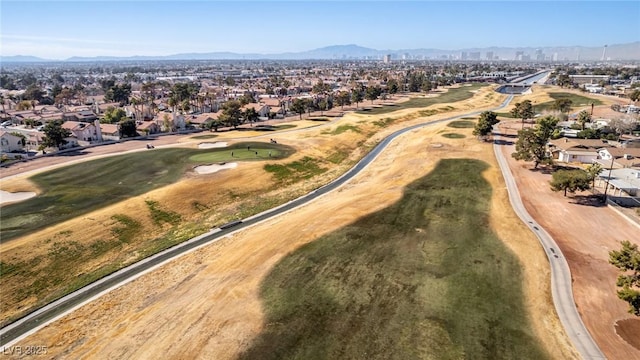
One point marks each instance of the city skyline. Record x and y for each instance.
(59, 30)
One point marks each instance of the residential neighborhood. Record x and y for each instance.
(162, 98)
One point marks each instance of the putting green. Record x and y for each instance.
(227, 154)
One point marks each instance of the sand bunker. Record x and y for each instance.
(209, 169)
(209, 145)
(9, 197)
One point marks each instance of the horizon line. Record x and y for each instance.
(310, 50)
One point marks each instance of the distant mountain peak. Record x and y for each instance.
(629, 51)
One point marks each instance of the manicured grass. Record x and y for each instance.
(78, 189)
(452, 95)
(242, 152)
(424, 278)
(576, 101)
(462, 124)
(454, 136)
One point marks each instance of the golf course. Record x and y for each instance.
(418, 256)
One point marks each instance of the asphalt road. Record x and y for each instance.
(561, 279)
(560, 274)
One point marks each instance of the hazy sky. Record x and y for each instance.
(59, 29)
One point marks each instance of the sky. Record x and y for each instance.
(62, 29)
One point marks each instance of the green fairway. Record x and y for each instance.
(78, 189)
(426, 278)
(462, 124)
(452, 95)
(454, 136)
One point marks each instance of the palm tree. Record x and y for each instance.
(594, 170)
(173, 102)
(583, 118)
(134, 102)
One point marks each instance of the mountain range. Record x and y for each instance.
(629, 51)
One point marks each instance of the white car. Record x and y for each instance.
(6, 123)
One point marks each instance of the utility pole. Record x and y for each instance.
(608, 179)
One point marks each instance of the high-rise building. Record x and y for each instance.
(386, 59)
(489, 55)
(519, 55)
(604, 53)
(463, 55)
(474, 55)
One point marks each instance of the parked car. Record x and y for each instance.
(6, 123)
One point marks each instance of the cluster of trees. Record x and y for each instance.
(419, 81)
(623, 72)
(627, 260)
(182, 94)
(118, 93)
(300, 105)
(233, 116)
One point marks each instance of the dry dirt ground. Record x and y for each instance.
(206, 304)
(585, 234)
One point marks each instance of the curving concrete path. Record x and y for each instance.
(561, 287)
